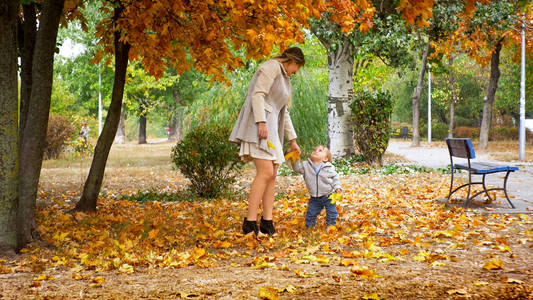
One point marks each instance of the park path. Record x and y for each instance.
(519, 184)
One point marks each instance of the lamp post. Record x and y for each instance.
(429, 104)
(522, 129)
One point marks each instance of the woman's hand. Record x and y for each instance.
(262, 130)
(295, 147)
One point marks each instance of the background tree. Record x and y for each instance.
(8, 125)
(33, 133)
(481, 33)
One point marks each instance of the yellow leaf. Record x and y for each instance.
(481, 283)
(335, 197)
(153, 233)
(445, 233)
(77, 276)
(290, 289)
(186, 295)
(511, 280)
(293, 156)
(270, 145)
(125, 268)
(98, 279)
(493, 264)
(348, 262)
(43, 277)
(300, 273)
(268, 293)
(224, 244)
(373, 296)
(363, 272)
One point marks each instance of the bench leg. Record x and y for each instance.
(486, 191)
(485, 188)
(505, 189)
(451, 187)
(468, 199)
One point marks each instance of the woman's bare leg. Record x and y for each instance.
(268, 195)
(265, 174)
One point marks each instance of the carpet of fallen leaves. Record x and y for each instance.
(394, 240)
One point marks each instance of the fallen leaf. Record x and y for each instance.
(457, 291)
(493, 264)
(268, 293)
(511, 280)
(372, 296)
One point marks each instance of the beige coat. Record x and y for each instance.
(266, 101)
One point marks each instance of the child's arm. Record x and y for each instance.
(298, 167)
(336, 181)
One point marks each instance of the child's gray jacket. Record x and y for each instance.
(325, 182)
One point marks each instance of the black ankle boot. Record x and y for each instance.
(249, 226)
(267, 227)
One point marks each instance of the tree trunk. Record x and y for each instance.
(27, 49)
(120, 137)
(340, 89)
(454, 97)
(8, 126)
(32, 146)
(142, 128)
(93, 184)
(176, 121)
(489, 100)
(416, 98)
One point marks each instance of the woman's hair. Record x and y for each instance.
(294, 54)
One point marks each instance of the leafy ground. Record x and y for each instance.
(394, 240)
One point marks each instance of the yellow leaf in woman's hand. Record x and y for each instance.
(293, 156)
(270, 145)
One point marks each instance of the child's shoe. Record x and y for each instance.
(267, 227)
(249, 226)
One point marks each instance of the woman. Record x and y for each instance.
(260, 128)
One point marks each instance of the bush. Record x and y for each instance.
(463, 132)
(208, 159)
(439, 131)
(371, 117)
(503, 133)
(60, 131)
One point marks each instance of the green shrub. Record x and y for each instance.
(503, 133)
(439, 131)
(463, 132)
(60, 131)
(371, 117)
(208, 159)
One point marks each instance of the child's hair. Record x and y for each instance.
(328, 153)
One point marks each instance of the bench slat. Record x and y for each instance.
(461, 148)
(486, 168)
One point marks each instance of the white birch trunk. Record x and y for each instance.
(120, 137)
(340, 89)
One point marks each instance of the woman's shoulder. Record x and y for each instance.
(271, 67)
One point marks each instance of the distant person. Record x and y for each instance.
(84, 132)
(262, 124)
(321, 180)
